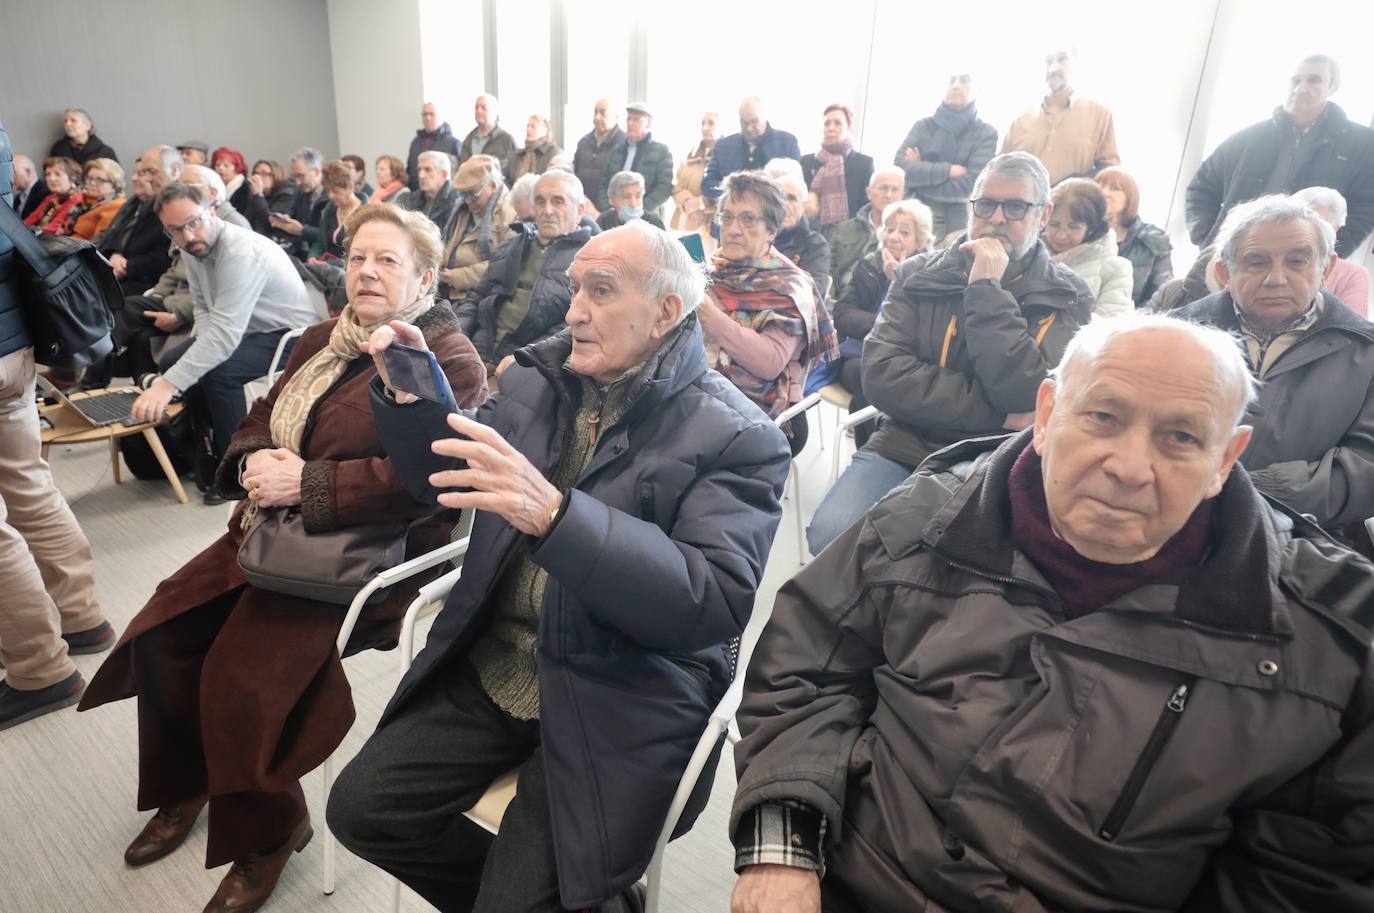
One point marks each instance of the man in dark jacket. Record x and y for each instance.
(435, 197)
(45, 560)
(642, 155)
(854, 238)
(1092, 669)
(487, 137)
(135, 243)
(432, 135)
(797, 241)
(965, 338)
(1309, 142)
(29, 188)
(628, 497)
(80, 142)
(756, 143)
(298, 228)
(523, 296)
(1313, 447)
(592, 158)
(943, 155)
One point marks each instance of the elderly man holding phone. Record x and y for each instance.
(628, 498)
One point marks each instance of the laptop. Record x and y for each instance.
(97, 410)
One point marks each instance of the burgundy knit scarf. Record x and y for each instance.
(828, 184)
(1085, 585)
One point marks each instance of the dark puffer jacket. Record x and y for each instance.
(14, 332)
(1151, 254)
(549, 299)
(1203, 745)
(808, 249)
(947, 360)
(857, 309)
(653, 566)
(1340, 156)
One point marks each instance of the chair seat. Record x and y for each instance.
(836, 395)
(491, 808)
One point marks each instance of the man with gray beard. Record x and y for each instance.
(963, 341)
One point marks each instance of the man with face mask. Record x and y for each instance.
(245, 294)
(1308, 142)
(964, 339)
(1073, 136)
(943, 155)
(627, 202)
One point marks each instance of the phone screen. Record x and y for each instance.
(417, 371)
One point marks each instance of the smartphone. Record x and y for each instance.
(417, 371)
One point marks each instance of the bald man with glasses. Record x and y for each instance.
(963, 341)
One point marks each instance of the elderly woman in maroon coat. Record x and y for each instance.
(240, 690)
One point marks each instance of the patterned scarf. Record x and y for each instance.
(766, 292)
(828, 184)
(314, 378)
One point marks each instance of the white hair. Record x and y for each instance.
(207, 178)
(1327, 198)
(1227, 352)
(673, 271)
(783, 168)
(440, 160)
(1272, 208)
(887, 170)
(918, 212)
(522, 191)
(570, 180)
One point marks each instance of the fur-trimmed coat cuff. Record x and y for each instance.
(227, 475)
(317, 496)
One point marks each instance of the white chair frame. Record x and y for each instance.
(255, 388)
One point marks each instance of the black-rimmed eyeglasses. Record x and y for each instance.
(1013, 210)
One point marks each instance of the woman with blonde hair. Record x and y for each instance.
(103, 181)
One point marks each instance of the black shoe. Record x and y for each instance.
(212, 496)
(95, 640)
(16, 706)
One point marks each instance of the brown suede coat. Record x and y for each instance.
(274, 698)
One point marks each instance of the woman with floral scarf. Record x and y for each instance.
(56, 215)
(764, 319)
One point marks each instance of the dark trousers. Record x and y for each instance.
(217, 397)
(168, 660)
(399, 804)
(135, 334)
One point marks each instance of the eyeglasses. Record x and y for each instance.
(97, 179)
(1014, 210)
(747, 220)
(190, 225)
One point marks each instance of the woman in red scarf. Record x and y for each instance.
(836, 175)
(56, 215)
(764, 319)
(391, 179)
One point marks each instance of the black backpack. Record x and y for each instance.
(69, 294)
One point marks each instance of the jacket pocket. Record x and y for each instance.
(1168, 720)
(693, 668)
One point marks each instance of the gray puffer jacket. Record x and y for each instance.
(1205, 744)
(1313, 446)
(947, 360)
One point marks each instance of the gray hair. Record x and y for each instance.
(522, 191)
(570, 180)
(918, 212)
(1021, 166)
(673, 270)
(622, 181)
(886, 170)
(91, 122)
(1272, 208)
(761, 185)
(1327, 198)
(207, 178)
(1332, 67)
(311, 157)
(1227, 352)
(440, 160)
(168, 157)
(179, 191)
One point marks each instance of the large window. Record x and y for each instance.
(598, 60)
(451, 52)
(522, 62)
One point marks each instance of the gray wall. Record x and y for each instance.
(252, 74)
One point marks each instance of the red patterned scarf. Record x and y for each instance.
(828, 184)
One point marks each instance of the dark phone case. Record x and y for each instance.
(417, 371)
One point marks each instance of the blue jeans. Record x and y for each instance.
(858, 488)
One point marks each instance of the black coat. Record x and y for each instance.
(549, 299)
(1342, 158)
(947, 138)
(37, 193)
(858, 169)
(146, 247)
(306, 211)
(653, 566)
(611, 219)
(95, 148)
(808, 249)
(441, 140)
(14, 332)
(861, 300)
(1151, 254)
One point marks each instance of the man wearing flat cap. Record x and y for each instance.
(642, 155)
(481, 222)
(195, 152)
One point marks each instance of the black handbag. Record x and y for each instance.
(69, 294)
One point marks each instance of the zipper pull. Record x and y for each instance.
(1179, 699)
(594, 420)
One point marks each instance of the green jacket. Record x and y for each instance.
(851, 240)
(654, 161)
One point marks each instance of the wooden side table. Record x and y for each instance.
(71, 429)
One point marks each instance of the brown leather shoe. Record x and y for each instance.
(251, 880)
(165, 832)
